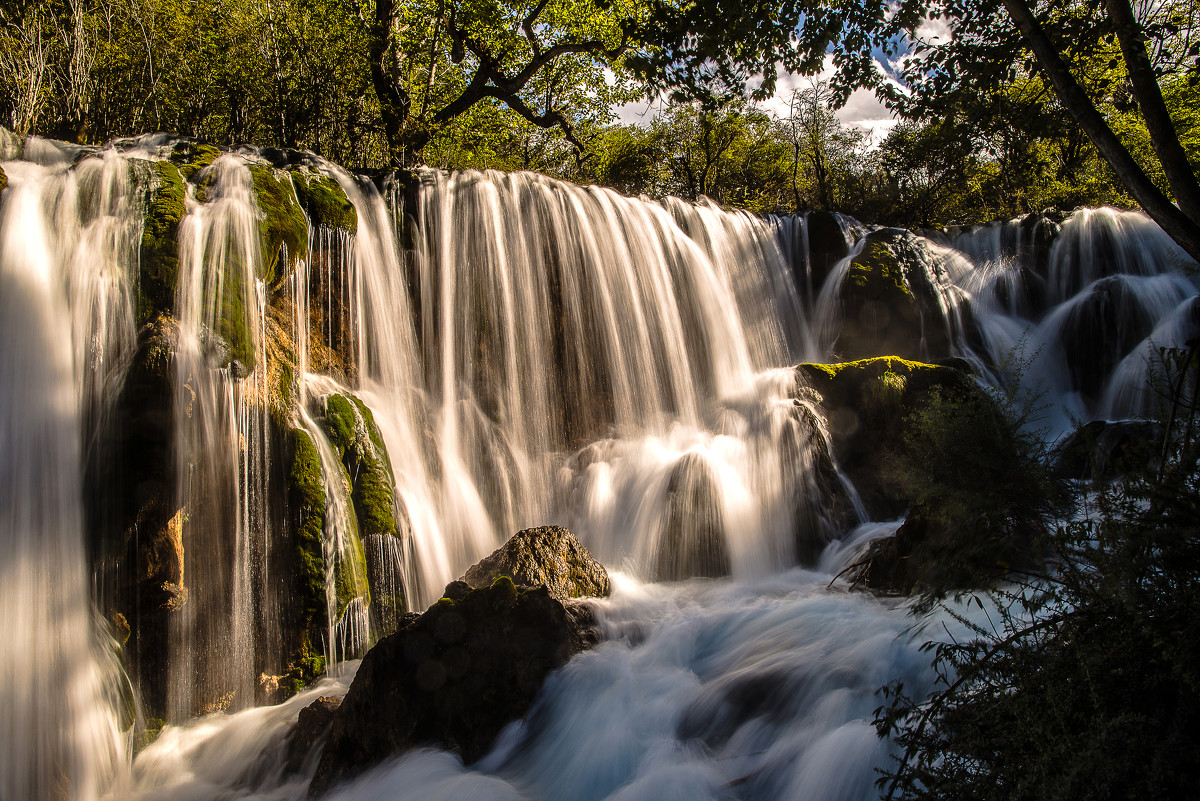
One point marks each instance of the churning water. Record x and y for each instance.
(529, 352)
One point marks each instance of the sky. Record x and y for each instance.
(862, 110)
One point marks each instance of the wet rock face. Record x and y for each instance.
(892, 300)
(549, 557)
(452, 677)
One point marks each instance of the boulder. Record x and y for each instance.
(896, 299)
(867, 404)
(452, 678)
(927, 441)
(312, 725)
(549, 557)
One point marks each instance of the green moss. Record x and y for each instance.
(159, 267)
(890, 364)
(350, 574)
(302, 672)
(233, 325)
(325, 202)
(355, 436)
(192, 157)
(878, 271)
(307, 499)
(3, 180)
(282, 229)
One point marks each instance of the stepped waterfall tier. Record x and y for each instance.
(258, 410)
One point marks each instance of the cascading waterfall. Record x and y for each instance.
(1081, 312)
(221, 447)
(480, 353)
(65, 261)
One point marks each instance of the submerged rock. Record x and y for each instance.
(312, 725)
(549, 557)
(452, 677)
(692, 542)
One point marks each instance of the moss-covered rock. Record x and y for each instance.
(356, 438)
(191, 157)
(159, 263)
(3, 180)
(893, 298)
(452, 677)
(548, 556)
(283, 230)
(306, 504)
(928, 441)
(324, 202)
(866, 403)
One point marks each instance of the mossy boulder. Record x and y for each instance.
(159, 263)
(324, 201)
(895, 300)
(3, 180)
(866, 403)
(282, 228)
(452, 678)
(191, 157)
(356, 438)
(548, 556)
(928, 441)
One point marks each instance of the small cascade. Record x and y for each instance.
(743, 497)
(221, 447)
(1080, 310)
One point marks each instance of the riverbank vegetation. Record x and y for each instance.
(1079, 680)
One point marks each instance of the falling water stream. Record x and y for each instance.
(524, 352)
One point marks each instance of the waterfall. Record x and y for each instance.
(256, 408)
(64, 293)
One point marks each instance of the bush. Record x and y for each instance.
(1084, 682)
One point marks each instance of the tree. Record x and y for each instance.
(543, 59)
(715, 46)
(819, 139)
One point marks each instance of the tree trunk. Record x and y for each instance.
(1179, 226)
(1154, 110)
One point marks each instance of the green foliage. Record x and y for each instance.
(1083, 682)
(982, 494)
